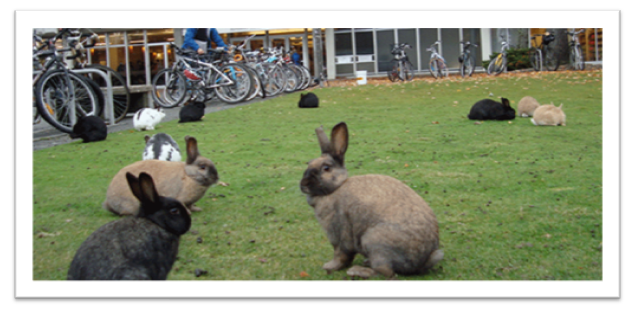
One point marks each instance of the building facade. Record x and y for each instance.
(140, 53)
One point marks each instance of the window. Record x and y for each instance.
(427, 36)
(343, 44)
(384, 57)
(451, 46)
(364, 43)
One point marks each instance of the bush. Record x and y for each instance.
(516, 59)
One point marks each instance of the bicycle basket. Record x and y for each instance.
(548, 39)
(460, 59)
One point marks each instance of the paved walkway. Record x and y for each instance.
(46, 136)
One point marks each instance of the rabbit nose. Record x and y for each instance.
(309, 173)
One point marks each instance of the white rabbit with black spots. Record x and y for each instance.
(161, 146)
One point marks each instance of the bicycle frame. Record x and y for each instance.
(538, 49)
(184, 61)
(503, 50)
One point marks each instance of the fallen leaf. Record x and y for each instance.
(263, 260)
(223, 184)
(406, 165)
(47, 235)
(304, 274)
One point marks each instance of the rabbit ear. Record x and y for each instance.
(147, 188)
(146, 138)
(560, 106)
(134, 185)
(339, 141)
(192, 149)
(323, 140)
(505, 101)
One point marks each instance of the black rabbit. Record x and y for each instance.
(192, 112)
(142, 247)
(90, 128)
(309, 100)
(488, 109)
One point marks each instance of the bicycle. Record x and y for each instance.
(194, 76)
(576, 53)
(467, 61)
(499, 63)
(543, 55)
(61, 96)
(402, 67)
(438, 67)
(121, 98)
(321, 80)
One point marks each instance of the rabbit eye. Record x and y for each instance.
(174, 211)
(326, 168)
(203, 167)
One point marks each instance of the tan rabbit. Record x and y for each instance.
(184, 181)
(549, 115)
(374, 215)
(527, 106)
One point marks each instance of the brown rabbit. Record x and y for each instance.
(184, 181)
(527, 106)
(549, 115)
(374, 215)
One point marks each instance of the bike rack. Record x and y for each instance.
(109, 96)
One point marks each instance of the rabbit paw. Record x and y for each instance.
(194, 208)
(362, 272)
(333, 265)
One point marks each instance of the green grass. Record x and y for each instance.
(514, 201)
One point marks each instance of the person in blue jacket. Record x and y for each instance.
(207, 35)
(296, 57)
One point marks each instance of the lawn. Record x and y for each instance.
(514, 201)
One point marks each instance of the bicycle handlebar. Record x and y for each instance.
(468, 43)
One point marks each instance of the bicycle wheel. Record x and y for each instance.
(434, 68)
(467, 66)
(36, 116)
(534, 59)
(121, 98)
(293, 79)
(551, 61)
(306, 77)
(169, 88)
(255, 89)
(234, 83)
(393, 75)
(497, 65)
(408, 71)
(53, 96)
(577, 58)
(274, 81)
(97, 91)
(443, 68)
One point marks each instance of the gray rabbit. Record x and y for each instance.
(374, 215)
(142, 247)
